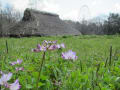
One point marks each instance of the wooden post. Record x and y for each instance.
(110, 60)
(6, 46)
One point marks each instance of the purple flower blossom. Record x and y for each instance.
(20, 69)
(43, 48)
(4, 78)
(60, 46)
(54, 42)
(16, 62)
(49, 42)
(1, 72)
(70, 55)
(15, 85)
(48, 45)
(35, 50)
(39, 48)
(52, 47)
(13, 63)
(19, 61)
(45, 41)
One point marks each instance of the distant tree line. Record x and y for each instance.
(110, 26)
(8, 18)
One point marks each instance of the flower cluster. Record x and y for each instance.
(52, 45)
(19, 69)
(4, 82)
(1, 72)
(6, 77)
(70, 55)
(17, 62)
(48, 45)
(59, 46)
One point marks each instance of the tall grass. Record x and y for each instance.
(97, 66)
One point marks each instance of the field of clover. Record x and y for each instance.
(60, 63)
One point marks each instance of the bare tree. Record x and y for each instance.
(0, 19)
(8, 17)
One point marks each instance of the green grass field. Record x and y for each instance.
(91, 71)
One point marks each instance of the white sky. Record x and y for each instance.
(69, 9)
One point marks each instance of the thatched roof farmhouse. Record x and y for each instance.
(38, 23)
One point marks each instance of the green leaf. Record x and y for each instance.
(40, 84)
(35, 74)
(28, 86)
(31, 68)
(42, 77)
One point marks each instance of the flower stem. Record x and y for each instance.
(43, 60)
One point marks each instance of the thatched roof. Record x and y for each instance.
(41, 24)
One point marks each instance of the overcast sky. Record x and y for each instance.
(69, 9)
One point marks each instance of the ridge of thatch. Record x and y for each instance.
(39, 23)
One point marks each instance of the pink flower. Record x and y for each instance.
(20, 69)
(49, 42)
(52, 47)
(1, 72)
(48, 45)
(43, 48)
(19, 61)
(15, 85)
(54, 42)
(39, 48)
(16, 62)
(5, 78)
(70, 55)
(35, 50)
(60, 46)
(13, 63)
